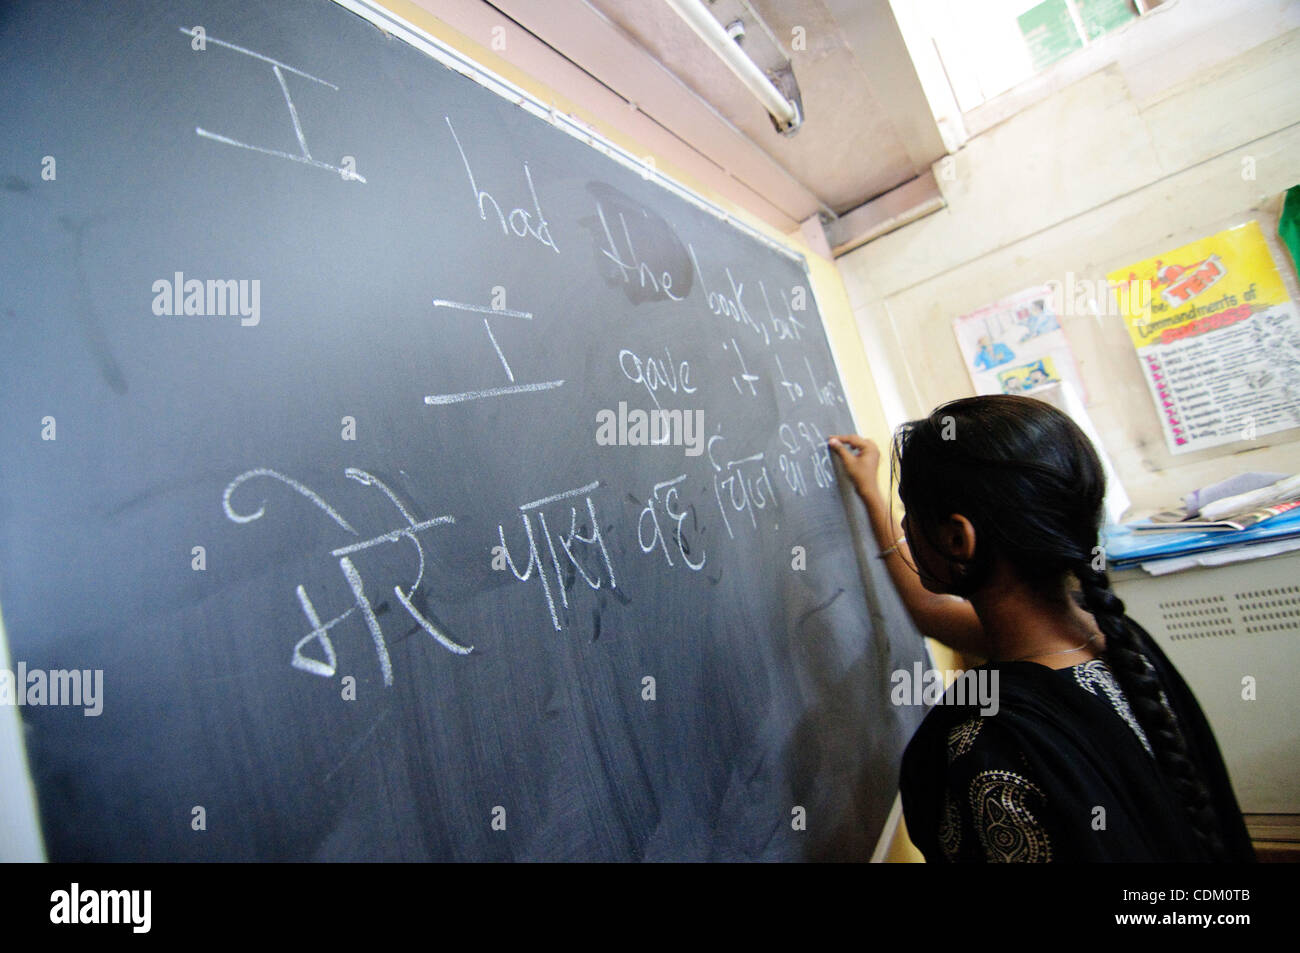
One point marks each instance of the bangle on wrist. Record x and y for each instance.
(892, 549)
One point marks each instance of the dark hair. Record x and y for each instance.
(1030, 483)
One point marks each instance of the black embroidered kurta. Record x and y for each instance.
(1061, 772)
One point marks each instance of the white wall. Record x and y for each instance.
(1141, 156)
(20, 838)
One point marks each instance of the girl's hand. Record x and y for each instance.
(861, 459)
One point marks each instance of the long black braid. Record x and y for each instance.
(1031, 484)
(1137, 678)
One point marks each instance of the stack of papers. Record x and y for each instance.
(1127, 547)
(1229, 513)
(1227, 524)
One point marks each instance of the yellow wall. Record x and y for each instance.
(828, 287)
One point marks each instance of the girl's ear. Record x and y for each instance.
(958, 538)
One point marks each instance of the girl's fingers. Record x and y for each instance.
(844, 452)
(852, 439)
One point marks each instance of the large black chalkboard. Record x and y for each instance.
(697, 656)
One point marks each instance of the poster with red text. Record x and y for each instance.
(1217, 337)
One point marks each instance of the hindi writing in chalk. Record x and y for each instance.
(650, 530)
(746, 481)
(573, 543)
(320, 630)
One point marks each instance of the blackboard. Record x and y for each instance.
(303, 331)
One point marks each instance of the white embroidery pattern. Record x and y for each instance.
(962, 737)
(1007, 829)
(950, 829)
(1093, 674)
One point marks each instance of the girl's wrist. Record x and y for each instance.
(870, 494)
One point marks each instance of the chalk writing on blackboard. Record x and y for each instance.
(482, 309)
(320, 631)
(490, 392)
(652, 526)
(645, 273)
(732, 306)
(793, 389)
(828, 391)
(520, 219)
(744, 374)
(536, 508)
(653, 373)
(278, 69)
(748, 485)
(812, 449)
(788, 328)
(512, 388)
(442, 303)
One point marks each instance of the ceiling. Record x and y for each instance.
(850, 148)
(867, 125)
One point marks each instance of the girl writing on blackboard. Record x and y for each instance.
(1096, 750)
